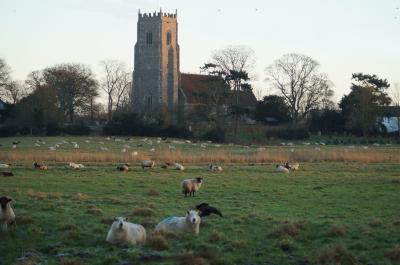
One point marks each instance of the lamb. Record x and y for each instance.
(148, 163)
(292, 166)
(280, 168)
(123, 168)
(7, 216)
(122, 232)
(75, 166)
(179, 166)
(213, 168)
(205, 210)
(40, 167)
(177, 225)
(191, 185)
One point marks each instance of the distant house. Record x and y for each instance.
(391, 118)
(194, 86)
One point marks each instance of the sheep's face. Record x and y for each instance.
(4, 201)
(119, 222)
(193, 217)
(199, 179)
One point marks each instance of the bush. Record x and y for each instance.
(53, 129)
(215, 135)
(8, 131)
(288, 134)
(77, 129)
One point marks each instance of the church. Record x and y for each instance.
(158, 84)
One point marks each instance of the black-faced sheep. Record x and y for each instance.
(205, 210)
(215, 168)
(7, 216)
(122, 232)
(178, 225)
(148, 163)
(280, 168)
(40, 167)
(190, 186)
(292, 166)
(123, 168)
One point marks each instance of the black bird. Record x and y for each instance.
(205, 210)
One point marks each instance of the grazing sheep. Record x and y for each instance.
(6, 174)
(280, 168)
(122, 232)
(191, 185)
(123, 168)
(179, 166)
(40, 167)
(292, 166)
(205, 210)
(4, 166)
(214, 168)
(7, 216)
(75, 166)
(187, 224)
(148, 163)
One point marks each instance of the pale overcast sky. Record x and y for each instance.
(344, 36)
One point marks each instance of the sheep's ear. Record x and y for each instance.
(115, 218)
(9, 200)
(188, 212)
(126, 219)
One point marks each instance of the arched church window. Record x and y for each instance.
(168, 37)
(149, 38)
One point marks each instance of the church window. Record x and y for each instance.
(149, 38)
(168, 37)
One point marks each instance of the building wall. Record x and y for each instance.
(156, 69)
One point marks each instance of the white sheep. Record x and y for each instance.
(179, 166)
(75, 166)
(280, 168)
(4, 166)
(213, 168)
(7, 216)
(122, 232)
(176, 225)
(148, 163)
(191, 185)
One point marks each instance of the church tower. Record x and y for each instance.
(156, 69)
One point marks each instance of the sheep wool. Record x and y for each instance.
(178, 225)
(148, 163)
(179, 166)
(7, 216)
(122, 232)
(190, 186)
(75, 166)
(280, 168)
(215, 168)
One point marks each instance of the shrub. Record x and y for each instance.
(77, 129)
(288, 134)
(8, 131)
(53, 129)
(215, 135)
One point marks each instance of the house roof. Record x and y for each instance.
(194, 85)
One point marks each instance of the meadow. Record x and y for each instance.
(329, 212)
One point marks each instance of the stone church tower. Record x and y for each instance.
(156, 70)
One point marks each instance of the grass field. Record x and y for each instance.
(325, 213)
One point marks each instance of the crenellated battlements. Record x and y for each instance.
(159, 14)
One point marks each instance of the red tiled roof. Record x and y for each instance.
(193, 85)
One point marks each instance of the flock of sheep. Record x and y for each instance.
(124, 232)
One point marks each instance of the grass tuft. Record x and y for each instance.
(375, 222)
(71, 261)
(153, 192)
(79, 196)
(146, 212)
(157, 242)
(216, 236)
(190, 258)
(336, 230)
(337, 254)
(393, 254)
(286, 244)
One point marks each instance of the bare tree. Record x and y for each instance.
(4, 73)
(395, 95)
(14, 91)
(116, 84)
(298, 80)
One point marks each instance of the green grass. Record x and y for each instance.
(315, 215)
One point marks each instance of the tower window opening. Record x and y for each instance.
(168, 37)
(149, 38)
